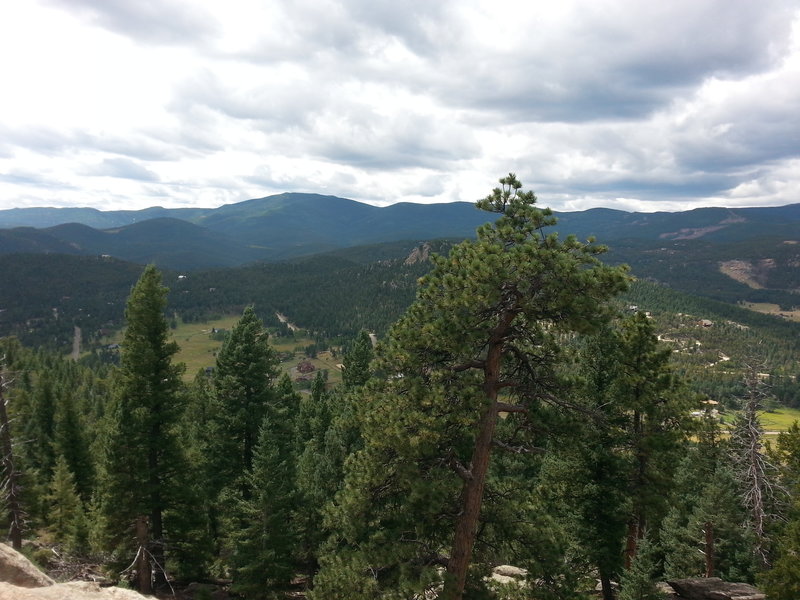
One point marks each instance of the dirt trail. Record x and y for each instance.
(284, 319)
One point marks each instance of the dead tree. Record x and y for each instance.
(10, 482)
(755, 473)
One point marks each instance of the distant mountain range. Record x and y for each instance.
(291, 225)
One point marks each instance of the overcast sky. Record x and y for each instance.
(620, 103)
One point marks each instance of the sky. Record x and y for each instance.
(643, 106)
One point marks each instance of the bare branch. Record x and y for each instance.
(460, 470)
(518, 449)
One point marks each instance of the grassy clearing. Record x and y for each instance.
(773, 422)
(773, 309)
(780, 419)
(198, 350)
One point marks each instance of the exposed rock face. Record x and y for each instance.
(19, 571)
(76, 590)
(21, 580)
(419, 254)
(713, 588)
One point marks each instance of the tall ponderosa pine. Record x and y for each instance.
(702, 533)
(327, 433)
(237, 403)
(141, 463)
(480, 339)
(265, 544)
(242, 386)
(657, 409)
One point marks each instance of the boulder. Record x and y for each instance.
(510, 571)
(75, 590)
(19, 571)
(21, 580)
(713, 588)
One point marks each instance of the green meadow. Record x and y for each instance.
(199, 347)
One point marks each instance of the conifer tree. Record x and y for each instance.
(480, 339)
(69, 442)
(40, 426)
(782, 581)
(141, 463)
(313, 421)
(242, 385)
(356, 361)
(264, 543)
(66, 517)
(639, 580)
(234, 406)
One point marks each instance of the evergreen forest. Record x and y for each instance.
(517, 417)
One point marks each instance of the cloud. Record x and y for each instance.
(162, 22)
(614, 102)
(122, 168)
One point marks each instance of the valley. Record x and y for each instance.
(281, 446)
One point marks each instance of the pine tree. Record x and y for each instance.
(40, 427)
(141, 462)
(264, 544)
(356, 361)
(638, 581)
(66, 518)
(481, 339)
(782, 581)
(235, 406)
(242, 385)
(313, 421)
(69, 442)
(658, 407)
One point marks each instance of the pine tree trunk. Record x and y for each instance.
(709, 549)
(605, 584)
(471, 499)
(156, 546)
(472, 493)
(631, 540)
(144, 570)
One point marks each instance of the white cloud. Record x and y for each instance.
(620, 103)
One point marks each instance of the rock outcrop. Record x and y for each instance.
(75, 590)
(713, 588)
(18, 571)
(20, 579)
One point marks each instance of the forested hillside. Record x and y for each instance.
(530, 403)
(520, 409)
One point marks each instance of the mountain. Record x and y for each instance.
(273, 228)
(288, 225)
(48, 217)
(168, 242)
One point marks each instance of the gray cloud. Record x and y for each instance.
(122, 168)
(34, 179)
(157, 21)
(619, 61)
(692, 100)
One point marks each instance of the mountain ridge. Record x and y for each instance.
(291, 224)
